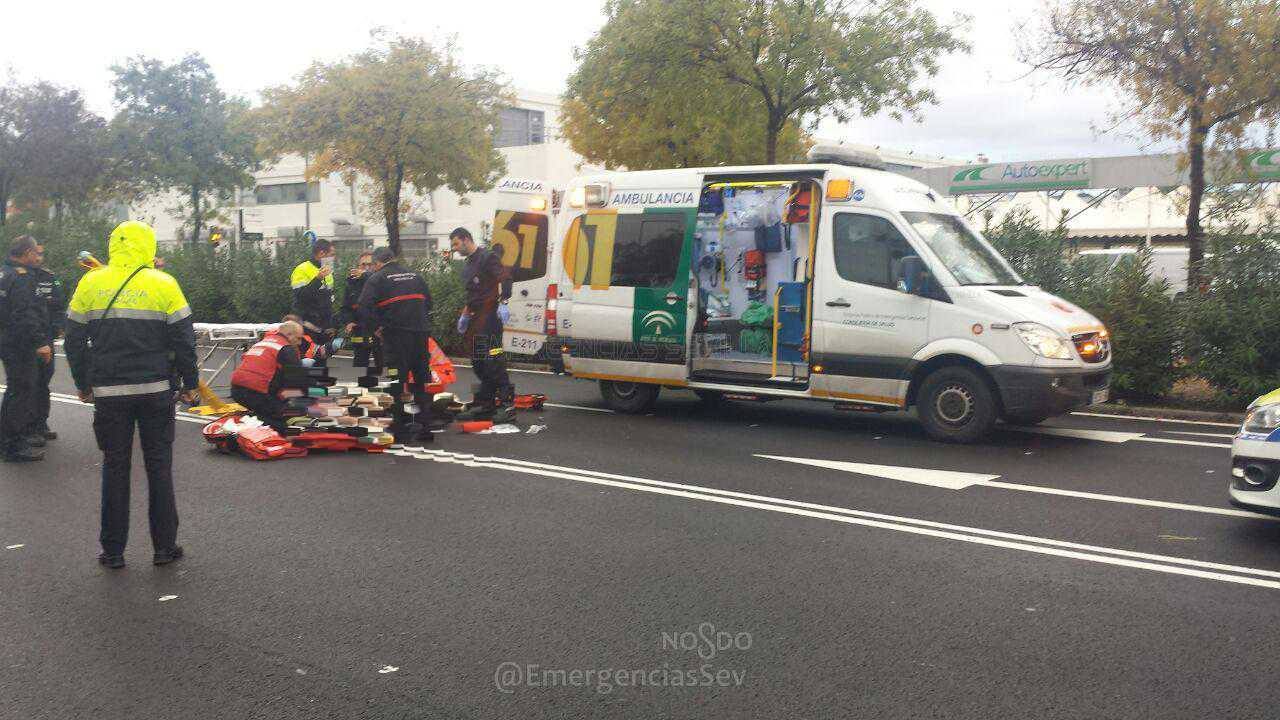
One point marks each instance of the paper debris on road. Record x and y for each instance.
(535, 429)
(503, 429)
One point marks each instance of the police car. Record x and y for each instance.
(1255, 457)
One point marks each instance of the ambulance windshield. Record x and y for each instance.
(969, 259)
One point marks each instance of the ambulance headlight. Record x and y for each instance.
(1043, 341)
(1263, 419)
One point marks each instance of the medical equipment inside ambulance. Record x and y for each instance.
(751, 253)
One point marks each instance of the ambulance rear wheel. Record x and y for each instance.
(628, 397)
(957, 405)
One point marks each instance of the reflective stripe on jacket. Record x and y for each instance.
(146, 338)
(259, 364)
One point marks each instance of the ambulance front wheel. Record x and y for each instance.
(957, 405)
(628, 397)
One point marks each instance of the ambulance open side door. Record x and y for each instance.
(521, 224)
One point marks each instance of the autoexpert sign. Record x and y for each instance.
(1039, 175)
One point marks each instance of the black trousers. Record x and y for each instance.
(489, 362)
(407, 353)
(113, 421)
(267, 408)
(40, 423)
(21, 398)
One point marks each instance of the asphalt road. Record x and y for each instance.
(655, 567)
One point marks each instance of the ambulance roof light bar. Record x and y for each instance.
(840, 155)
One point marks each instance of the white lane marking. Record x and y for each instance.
(386, 669)
(167, 598)
(1174, 441)
(1232, 512)
(952, 480)
(578, 407)
(1100, 435)
(519, 370)
(1199, 434)
(948, 479)
(71, 400)
(994, 538)
(19, 546)
(1156, 419)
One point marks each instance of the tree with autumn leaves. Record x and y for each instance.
(711, 82)
(404, 117)
(1202, 73)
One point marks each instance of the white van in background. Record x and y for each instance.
(878, 295)
(1166, 264)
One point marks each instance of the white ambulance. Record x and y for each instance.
(833, 281)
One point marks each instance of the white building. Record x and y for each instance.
(283, 203)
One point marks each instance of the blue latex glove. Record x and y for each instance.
(308, 362)
(336, 344)
(504, 314)
(463, 321)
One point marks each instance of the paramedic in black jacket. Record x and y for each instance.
(488, 287)
(49, 289)
(361, 352)
(25, 347)
(396, 303)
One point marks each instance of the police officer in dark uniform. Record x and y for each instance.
(25, 345)
(50, 290)
(488, 288)
(396, 303)
(367, 347)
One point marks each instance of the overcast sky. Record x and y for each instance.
(986, 104)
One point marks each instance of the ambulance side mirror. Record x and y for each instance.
(913, 275)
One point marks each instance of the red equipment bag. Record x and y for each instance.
(753, 264)
(264, 443)
(529, 402)
(798, 204)
(332, 442)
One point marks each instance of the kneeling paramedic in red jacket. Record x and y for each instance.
(256, 383)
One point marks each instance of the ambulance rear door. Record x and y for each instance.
(520, 232)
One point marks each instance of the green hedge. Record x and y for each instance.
(1233, 328)
(1227, 332)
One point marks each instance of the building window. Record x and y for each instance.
(521, 127)
(287, 193)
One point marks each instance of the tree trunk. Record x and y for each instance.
(772, 131)
(4, 200)
(391, 211)
(196, 220)
(391, 207)
(1195, 233)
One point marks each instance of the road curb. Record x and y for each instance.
(1166, 413)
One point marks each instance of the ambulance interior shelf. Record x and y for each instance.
(752, 239)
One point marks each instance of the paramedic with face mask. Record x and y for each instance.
(312, 284)
(488, 287)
